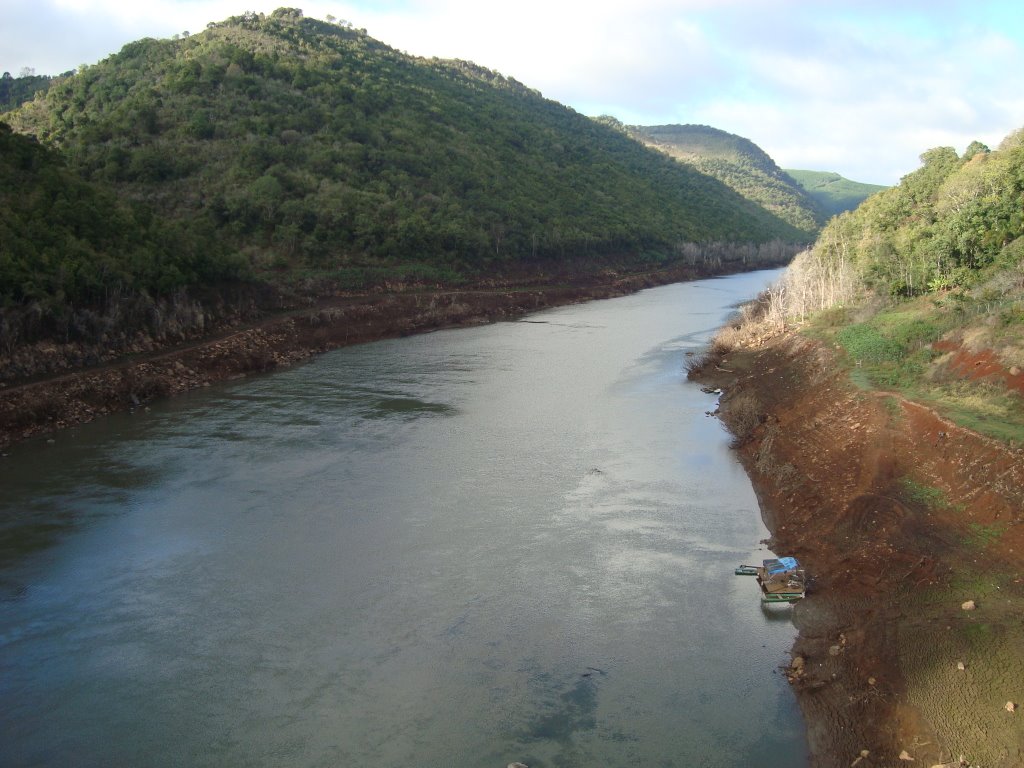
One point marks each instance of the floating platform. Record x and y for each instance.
(782, 580)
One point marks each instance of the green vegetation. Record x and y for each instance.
(986, 408)
(740, 164)
(924, 495)
(922, 286)
(15, 91)
(67, 242)
(981, 536)
(941, 228)
(307, 156)
(310, 144)
(893, 347)
(833, 193)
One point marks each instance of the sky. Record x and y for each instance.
(861, 88)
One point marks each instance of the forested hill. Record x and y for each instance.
(15, 91)
(740, 164)
(834, 193)
(923, 286)
(311, 149)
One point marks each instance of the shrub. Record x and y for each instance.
(866, 343)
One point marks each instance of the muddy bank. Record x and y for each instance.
(46, 404)
(901, 518)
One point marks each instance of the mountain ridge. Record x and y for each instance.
(740, 164)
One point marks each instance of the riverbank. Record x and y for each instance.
(47, 404)
(910, 641)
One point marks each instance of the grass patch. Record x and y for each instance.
(981, 536)
(861, 379)
(866, 344)
(984, 408)
(892, 351)
(893, 408)
(923, 495)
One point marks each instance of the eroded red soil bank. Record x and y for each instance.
(901, 517)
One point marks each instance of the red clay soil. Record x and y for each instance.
(899, 517)
(977, 366)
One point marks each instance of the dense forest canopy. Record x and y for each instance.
(942, 227)
(15, 91)
(310, 148)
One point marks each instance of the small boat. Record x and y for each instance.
(782, 580)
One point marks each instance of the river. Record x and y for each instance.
(513, 542)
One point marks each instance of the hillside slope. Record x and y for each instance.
(311, 147)
(876, 395)
(877, 399)
(68, 240)
(740, 164)
(923, 286)
(833, 193)
(901, 517)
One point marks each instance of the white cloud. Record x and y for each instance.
(859, 87)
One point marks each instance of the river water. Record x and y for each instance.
(506, 543)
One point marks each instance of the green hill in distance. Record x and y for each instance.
(740, 164)
(833, 193)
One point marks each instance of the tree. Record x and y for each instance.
(974, 148)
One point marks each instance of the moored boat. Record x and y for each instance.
(781, 579)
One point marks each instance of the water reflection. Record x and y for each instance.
(513, 542)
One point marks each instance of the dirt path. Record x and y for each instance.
(900, 517)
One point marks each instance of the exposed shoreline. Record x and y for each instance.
(54, 403)
(826, 462)
(882, 635)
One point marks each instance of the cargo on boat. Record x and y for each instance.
(782, 580)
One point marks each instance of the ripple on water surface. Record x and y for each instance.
(512, 542)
